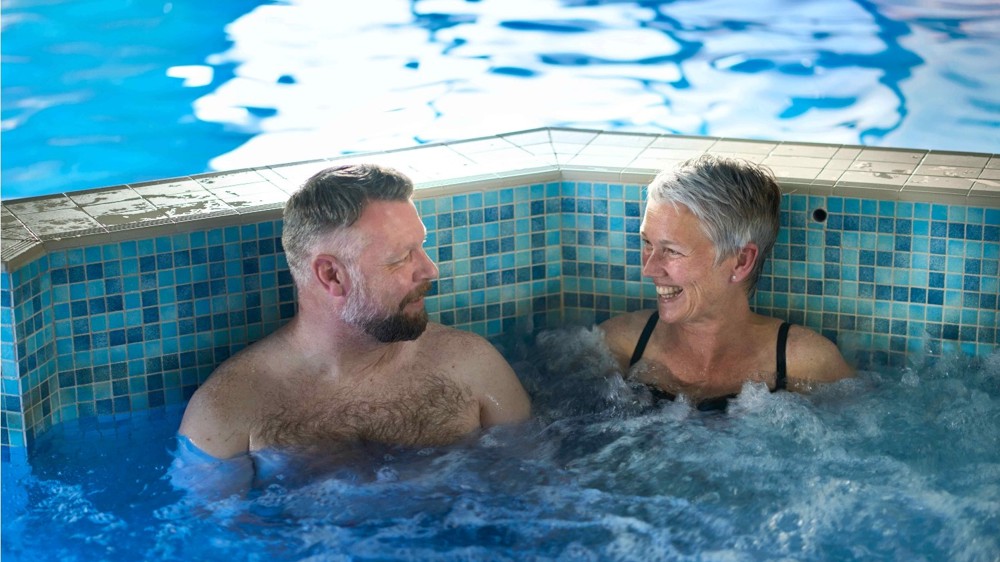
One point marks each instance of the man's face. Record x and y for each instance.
(385, 322)
(391, 275)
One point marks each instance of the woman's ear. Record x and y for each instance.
(331, 274)
(746, 259)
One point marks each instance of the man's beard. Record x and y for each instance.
(362, 311)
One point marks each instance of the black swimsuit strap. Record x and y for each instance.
(640, 346)
(781, 381)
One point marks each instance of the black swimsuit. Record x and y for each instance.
(720, 402)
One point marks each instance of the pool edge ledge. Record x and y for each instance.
(31, 227)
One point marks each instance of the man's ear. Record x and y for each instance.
(331, 274)
(746, 258)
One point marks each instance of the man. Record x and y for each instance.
(360, 361)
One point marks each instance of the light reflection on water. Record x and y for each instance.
(104, 96)
(894, 464)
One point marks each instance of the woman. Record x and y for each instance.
(707, 230)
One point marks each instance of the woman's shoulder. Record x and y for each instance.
(628, 322)
(813, 357)
(621, 333)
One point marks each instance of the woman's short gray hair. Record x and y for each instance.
(331, 200)
(736, 202)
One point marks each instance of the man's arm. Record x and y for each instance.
(502, 398)
(204, 476)
(211, 421)
(212, 460)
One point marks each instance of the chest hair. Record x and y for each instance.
(427, 410)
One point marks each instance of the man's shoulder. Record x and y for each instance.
(458, 345)
(243, 370)
(439, 334)
(472, 360)
(221, 411)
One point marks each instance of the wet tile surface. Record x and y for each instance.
(122, 297)
(880, 173)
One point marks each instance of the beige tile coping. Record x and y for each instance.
(34, 225)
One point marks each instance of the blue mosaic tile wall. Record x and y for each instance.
(884, 279)
(499, 259)
(28, 352)
(107, 330)
(899, 278)
(11, 418)
(112, 329)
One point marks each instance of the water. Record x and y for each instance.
(894, 465)
(106, 92)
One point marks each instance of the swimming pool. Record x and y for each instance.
(117, 303)
(108, 329)
(101, 93)
(901, 463)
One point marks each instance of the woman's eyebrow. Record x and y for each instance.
(660, 241)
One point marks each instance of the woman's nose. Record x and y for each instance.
(650, 264)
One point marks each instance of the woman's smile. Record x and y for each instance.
(668, 293)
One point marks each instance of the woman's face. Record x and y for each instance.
(680, 259)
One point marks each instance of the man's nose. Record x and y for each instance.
(428, 269)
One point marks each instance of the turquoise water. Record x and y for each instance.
(901, 463)
(109, 92)
(898, 464)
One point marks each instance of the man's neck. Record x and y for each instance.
(339, 349)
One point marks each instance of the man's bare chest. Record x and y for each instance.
(420, 411)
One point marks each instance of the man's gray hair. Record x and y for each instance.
(333, 200)
(736, 202)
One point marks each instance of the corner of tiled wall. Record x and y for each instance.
(120, 327)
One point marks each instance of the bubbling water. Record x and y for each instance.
(891, 464)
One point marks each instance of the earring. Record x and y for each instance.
(733, 278)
